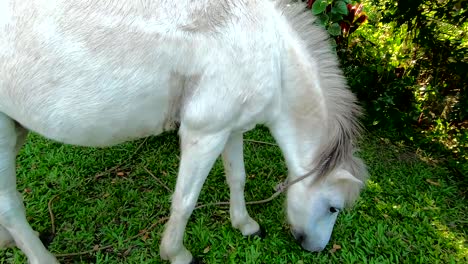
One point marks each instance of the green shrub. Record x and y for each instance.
(408, 65)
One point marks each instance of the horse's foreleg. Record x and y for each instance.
(199, 152)
(12, 213)
(233, 160)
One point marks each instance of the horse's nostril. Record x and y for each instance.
(299, 236)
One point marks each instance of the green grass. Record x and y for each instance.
(413, 210)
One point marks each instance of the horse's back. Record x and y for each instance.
(102, 72)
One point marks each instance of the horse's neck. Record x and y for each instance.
(304, 112)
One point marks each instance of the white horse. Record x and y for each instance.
(101, 72)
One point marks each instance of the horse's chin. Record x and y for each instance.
(312, 247)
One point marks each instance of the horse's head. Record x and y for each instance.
(312, 207)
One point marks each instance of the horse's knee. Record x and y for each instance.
(13, 223)
(11, 207)
(6, 240)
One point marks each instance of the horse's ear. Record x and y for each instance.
(349, 185)
(344, 175)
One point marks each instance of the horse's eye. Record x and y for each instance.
(334, 210)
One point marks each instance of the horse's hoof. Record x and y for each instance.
(46, 238)
(196, 261)
(261, 233)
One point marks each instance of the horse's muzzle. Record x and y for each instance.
(301, 239)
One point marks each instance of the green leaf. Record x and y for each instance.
(319, 6)
(336, 17)
(334, 29)
(323, 19)
(341, 8)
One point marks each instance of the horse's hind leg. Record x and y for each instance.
(6, 240)
(12, 213)
(233, 160)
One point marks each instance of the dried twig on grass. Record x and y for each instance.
(52, 217)
(118, 166)
(260, 142)
(158, 180)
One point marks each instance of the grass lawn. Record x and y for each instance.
(413, 210)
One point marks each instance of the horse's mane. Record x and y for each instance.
(343, 110)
